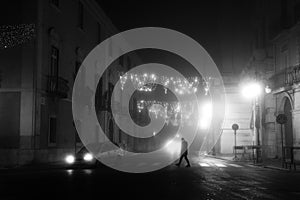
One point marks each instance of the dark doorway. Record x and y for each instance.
(288, 127)
(111, 131)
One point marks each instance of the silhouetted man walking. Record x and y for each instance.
(184, 153)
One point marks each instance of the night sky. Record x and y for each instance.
(223, 28)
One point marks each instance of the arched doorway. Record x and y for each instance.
(288, 127)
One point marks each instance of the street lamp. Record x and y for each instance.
(268, 90)
(252, 91)
(235, 127)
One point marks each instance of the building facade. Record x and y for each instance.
(285, 84)
(275, 64)
(37, 75)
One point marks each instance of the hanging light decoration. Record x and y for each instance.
(14, 35)
(207, 85)
(148, 83)
(140, 105)
(170, 111)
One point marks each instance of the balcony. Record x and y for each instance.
(286, 77)
(57, 86)
(293, 75)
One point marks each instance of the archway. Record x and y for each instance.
(288, 127)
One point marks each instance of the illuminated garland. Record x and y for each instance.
(148, 82)
(171, 112)
(14, 35)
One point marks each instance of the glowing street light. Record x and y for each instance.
(252, 90)
(268, 90)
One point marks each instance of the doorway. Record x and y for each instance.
(288, 127)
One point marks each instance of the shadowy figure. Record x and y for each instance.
(184, 153)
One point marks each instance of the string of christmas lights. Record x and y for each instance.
(168, 110)
(15, 35)
(148, 82)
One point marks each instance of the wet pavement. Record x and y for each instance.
(208, 178)
(272, 163)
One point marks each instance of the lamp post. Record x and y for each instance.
(281, 119)
(256, 121)
(235, 127)
(252, 91)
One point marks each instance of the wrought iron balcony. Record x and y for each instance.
(57, 86)
(286, 77)
(293, 75)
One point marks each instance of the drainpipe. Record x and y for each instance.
(39, 53)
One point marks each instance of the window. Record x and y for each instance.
(286, 60)
(77, 66)
(80, 15)
(99, 33)
(100, 103)
(54, 60)
(120, 137)
(55, 3)
(111, 131)
(52, 130)
(284, 56)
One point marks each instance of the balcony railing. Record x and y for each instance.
(293, 75)
(57, 86)
(286, 77)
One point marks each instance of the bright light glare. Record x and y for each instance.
(173, 147)
(220, 165)
(251, 90)
(205, 115)
(268, 89)
(204, 164)
(70, 159)
(88, 157)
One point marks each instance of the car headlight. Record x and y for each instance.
(88, 157)
(70, 159)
